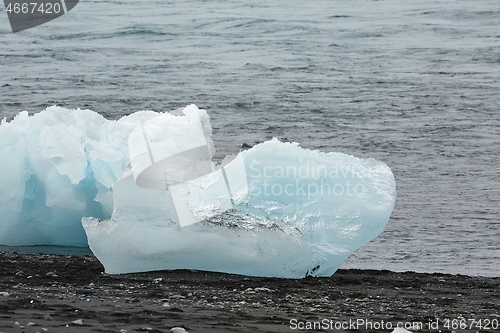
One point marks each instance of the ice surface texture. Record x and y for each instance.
(274, 210)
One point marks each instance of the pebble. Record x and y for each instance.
(249, 291)
(84, 292)
(400, 330)
(178, 330)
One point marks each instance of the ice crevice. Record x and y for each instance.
(144, 194)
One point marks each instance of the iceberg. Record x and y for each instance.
(144, 193)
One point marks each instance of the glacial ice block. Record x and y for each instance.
(275, 210)
(151, 198)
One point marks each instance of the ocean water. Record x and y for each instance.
(415, 84)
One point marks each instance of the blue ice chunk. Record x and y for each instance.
(56, 167)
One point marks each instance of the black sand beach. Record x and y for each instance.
(56, 293)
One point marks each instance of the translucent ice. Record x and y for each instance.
(56, 167)
(274, 210)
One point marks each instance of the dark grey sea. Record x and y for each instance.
(415, 84)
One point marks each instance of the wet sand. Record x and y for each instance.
(56, 293)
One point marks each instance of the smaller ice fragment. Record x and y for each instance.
(274, 210)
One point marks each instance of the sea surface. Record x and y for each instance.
(415, 84)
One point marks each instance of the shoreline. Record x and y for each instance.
(52, 293)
